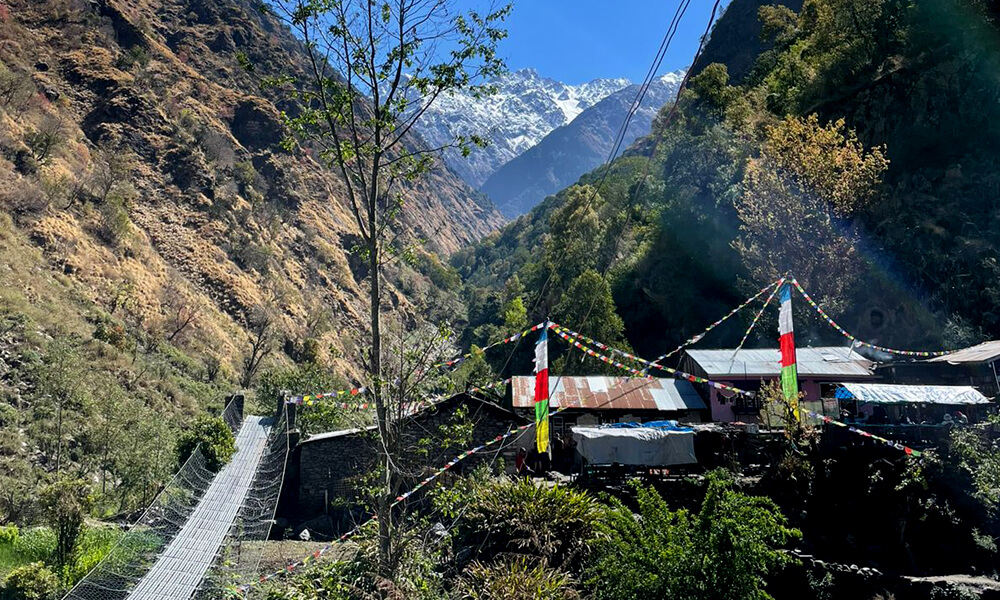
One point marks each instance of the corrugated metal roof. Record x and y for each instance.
(827, 361)
(882, 393)
(982, 353)
(610, 393)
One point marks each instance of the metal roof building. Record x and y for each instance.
(610, 393)
(821, 363)
(986, 352)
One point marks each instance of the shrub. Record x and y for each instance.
(556, 525)
(731, 544)
(65, 503)
(249, 255)
(115, 222)
(15, 90)
(309, 378)
(43, 140)
(515, 579)
(8, 534)
(112, 333)
(215, 439)
(33, 581)
(24, 197)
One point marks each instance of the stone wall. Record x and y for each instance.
(330, 466)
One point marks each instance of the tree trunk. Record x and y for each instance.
(385, 499)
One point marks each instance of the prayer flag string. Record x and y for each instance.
(845, 333)
(567, 334)
(697, 338)
(506, 340)
(760, 313)
(898, 446)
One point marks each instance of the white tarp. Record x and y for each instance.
(881, 393)
(636, 446)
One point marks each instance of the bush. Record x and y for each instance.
(15, 90)
(24, 197)
(730, 545)
(8, 534)
(65, 503)
(555, 525)
(33, 581)
(43, 140)
(112, 333)
(215, 438)
(115, 222)
(515, 579)
(309, 378)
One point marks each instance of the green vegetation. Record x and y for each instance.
(836, 158)
(732, 543)
(33, 556)
(33, 581)
(214, 438)
(309, 378)
(523, 540)
(65, 503)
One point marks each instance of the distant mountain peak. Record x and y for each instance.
(527, 107)
(578, 146)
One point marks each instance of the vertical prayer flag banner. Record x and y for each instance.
(542, 391)
(789, 370)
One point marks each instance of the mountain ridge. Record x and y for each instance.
(570, 151)
(526, 108)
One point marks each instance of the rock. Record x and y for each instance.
(41, 66)
(256, 124)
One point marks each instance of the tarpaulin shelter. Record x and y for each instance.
(885, 393)
(650, 444)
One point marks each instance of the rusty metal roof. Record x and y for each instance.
(610, 393)
(825, 361)
(982, 353)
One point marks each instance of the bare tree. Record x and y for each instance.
(261, 327)
(111, 169)
(44, 139)
(180, 312)
(374, 69)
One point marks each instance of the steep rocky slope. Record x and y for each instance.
(568, 152)
(200, 202)
(526, 108)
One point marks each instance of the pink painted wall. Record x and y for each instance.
(722, 412)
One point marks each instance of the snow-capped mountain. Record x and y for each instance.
(569, 151)
(526, 108)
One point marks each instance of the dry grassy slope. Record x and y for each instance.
(192, 118)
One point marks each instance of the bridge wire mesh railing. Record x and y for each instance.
(134, 554)
(240, 556)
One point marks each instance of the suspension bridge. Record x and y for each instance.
(204, 531)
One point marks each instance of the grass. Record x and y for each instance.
(32, 545)
(38, 544)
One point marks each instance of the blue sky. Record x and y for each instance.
(575, 41)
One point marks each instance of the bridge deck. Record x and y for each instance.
(179, 570)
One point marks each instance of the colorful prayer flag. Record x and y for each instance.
(542, 391)
(789, 370)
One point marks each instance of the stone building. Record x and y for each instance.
(326, 470)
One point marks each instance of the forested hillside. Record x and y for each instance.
(160, 247)
(858, 153)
